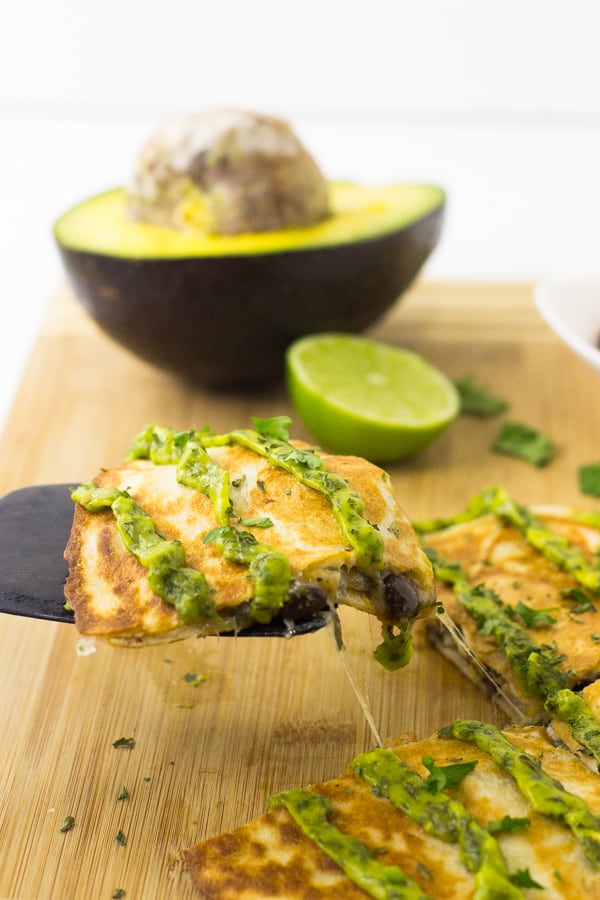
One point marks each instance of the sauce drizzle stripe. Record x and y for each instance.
(308, 467)
(496, 501)
(545, 794)
(311, 811)
(440, 815)
(185, 588)
(269, 570)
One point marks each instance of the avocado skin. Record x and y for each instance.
(227, 321)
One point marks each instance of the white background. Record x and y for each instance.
(497, 102)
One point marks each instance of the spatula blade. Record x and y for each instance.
(35, 523)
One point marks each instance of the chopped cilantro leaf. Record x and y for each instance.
(580, 598)
(128, 743)
(508, 824)
(68, 824)
(589, 479)
(117, 894)
(524, 443)
(475, 400)
(276, 427)
(424, 870)
(442, 777)
(194, 679)
(534, 618)
(522, 878)
(123, 793)
(121, 839)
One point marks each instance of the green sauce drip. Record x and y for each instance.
(311, 811)
(269, 570)
(545, 794)
(396, 649)
(185, 588)
(439, 815)
(496, 501)
(310, 469)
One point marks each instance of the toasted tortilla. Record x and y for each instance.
(109, 590)
(494, 553)
(273, 857)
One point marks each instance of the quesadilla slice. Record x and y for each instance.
(472, 813)
(521, 593)
(197, 533)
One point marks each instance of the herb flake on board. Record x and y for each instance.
(524, 442)
(68, 824)
(589, 479)
(127, 743)
(476, 400)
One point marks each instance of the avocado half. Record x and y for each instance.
(220, 310)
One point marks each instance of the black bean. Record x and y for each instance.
(401, 598)
(303, 601)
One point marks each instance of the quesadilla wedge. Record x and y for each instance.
(197, 534)
(521, 592)
(473, 813)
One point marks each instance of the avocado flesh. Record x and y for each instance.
(101, 225)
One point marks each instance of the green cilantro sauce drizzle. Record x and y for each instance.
(545, 794)
(496, 501)
(195, 468)
(268, 569)
(308, 467)
(395, 651)
(311, 812)
(535, 665)
(439, 815)
(168, 575)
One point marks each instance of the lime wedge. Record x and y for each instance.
(362, 397)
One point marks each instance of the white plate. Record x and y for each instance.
(572, 310)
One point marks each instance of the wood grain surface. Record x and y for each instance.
(263, 715)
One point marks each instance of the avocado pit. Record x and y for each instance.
(227, 173)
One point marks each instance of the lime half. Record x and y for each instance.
(362, 397)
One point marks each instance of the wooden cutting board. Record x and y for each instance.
(219, 724)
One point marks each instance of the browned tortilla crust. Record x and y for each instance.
(271, 856)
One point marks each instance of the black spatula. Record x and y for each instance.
(34, 529)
